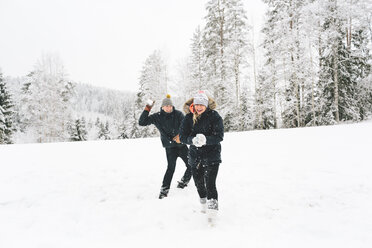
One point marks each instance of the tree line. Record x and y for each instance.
(312, 67)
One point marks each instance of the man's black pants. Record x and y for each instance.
(172, 154)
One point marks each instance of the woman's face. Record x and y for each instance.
(199, 108)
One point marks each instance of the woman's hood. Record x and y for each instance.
(211, 104)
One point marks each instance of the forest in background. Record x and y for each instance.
(313, 67)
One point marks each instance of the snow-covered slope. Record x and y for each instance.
(309, 187)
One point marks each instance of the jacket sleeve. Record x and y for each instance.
(180, 117)
(217, 131)
(146, 119)
(185, 130)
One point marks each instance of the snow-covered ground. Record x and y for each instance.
(308, 187)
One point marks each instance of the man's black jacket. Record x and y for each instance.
(168, 125)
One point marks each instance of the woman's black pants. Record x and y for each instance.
(205, 180)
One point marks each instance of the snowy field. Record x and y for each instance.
(308, 187)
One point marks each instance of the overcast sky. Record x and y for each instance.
(101, 42)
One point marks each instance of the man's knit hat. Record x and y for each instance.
(201, 98)
(166, 101)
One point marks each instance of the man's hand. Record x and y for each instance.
(149, 105)
(177, 139)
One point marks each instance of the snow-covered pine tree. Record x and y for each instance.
(288, 65)
(123, 131)
(239, 43)
(107, 128)
(135, 131)
(245, 119)
(153, 85)
(126, 122)
(294, 63)
(333, 63)
(310, 36)
(6, 113)
(83, 129)
(197, 65)
(104, 132)
(215, 43)
(345, 61)
(45, 101)
(265, 106)
(14, 87)
(77, 130)
(225, 45)
(238, 51)
(268, 79)
(97, 122)
(361, 58)
(154, 78)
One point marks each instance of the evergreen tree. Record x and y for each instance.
(135, 129)
(289, 73)
(98, 122)
(126, 123)
(153, 85)
(239, 44)
(197, 61)
(345, 63)
(215, 43)
(265, 95)
(295, 64)
(45, 102)
(225, 45)
(123, 132)
(104, 132)
(6, 114)
(245, 110)
(361, 58)
(78, 131)
(266, 103)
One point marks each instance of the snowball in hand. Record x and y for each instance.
(202, 139)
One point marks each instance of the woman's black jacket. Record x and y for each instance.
(210, 124)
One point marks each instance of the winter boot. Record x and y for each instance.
(213, 204)
(203, 202)
(182, 183)
(212, 212)
(163, 192)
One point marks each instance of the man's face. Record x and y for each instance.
(199, 108)
(167, 108)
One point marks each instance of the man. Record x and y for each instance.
(168, 121)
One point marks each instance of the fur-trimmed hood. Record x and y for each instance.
(211, 104)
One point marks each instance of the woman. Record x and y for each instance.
(202, 129)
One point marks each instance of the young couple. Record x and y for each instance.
(201, 129)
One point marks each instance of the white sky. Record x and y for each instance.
(101, 42)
